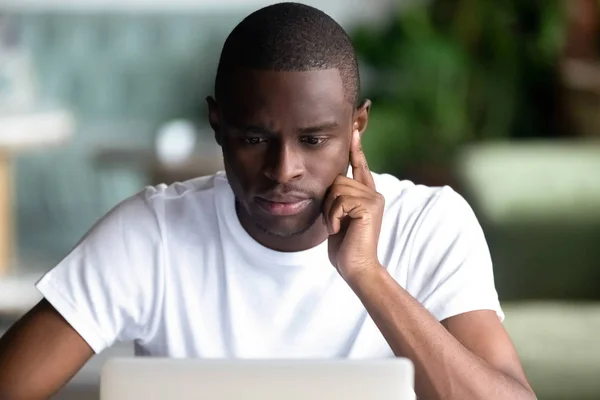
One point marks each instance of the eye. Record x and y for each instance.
(312, 140)
(253, 140)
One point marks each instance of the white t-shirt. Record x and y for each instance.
(172, 269)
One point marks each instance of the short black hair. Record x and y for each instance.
(290, 37)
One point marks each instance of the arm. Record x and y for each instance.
(468, 356)
(39, 354)
(107, 289)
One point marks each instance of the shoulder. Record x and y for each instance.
(182, 191)
(142, 216)
(407, 198)
(179, 195)
(424, 218)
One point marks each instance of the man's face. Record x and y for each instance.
(285, 137)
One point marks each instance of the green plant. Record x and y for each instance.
(448, 72)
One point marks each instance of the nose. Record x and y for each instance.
(284, 164)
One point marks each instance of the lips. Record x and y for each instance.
(285, 205)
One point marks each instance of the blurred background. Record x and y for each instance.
(500, 100)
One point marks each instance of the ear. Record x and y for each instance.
(361, 117)
(213, 118)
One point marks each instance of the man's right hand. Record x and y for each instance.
(39, 354)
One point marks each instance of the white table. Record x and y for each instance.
(18, 133)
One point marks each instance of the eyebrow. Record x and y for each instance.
(255, 129)
(318, 128)
(309, 130)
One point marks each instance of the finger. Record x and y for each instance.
(345, 207)
(349, 187)
(346, 185)
(331, 197)
(360, 167)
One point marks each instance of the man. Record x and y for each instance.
(297, 250)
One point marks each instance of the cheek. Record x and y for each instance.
(237, 175)
(327, 167)
(243, 170)
(242, 161)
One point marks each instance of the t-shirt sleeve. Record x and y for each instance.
(109, 286)
(451, 269)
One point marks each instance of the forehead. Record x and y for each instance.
(297, 97)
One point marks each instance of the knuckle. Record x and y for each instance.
(341, 199)
(334, 191)
(335, 195)
(339, 180)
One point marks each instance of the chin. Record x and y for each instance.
(284, 230)
(288, 226)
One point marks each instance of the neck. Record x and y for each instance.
(312, 237)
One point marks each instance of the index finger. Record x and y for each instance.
(358, 160)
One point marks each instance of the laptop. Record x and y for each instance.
(184, 379)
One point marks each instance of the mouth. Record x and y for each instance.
(283, 205)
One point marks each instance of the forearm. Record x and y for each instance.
(443, 367)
